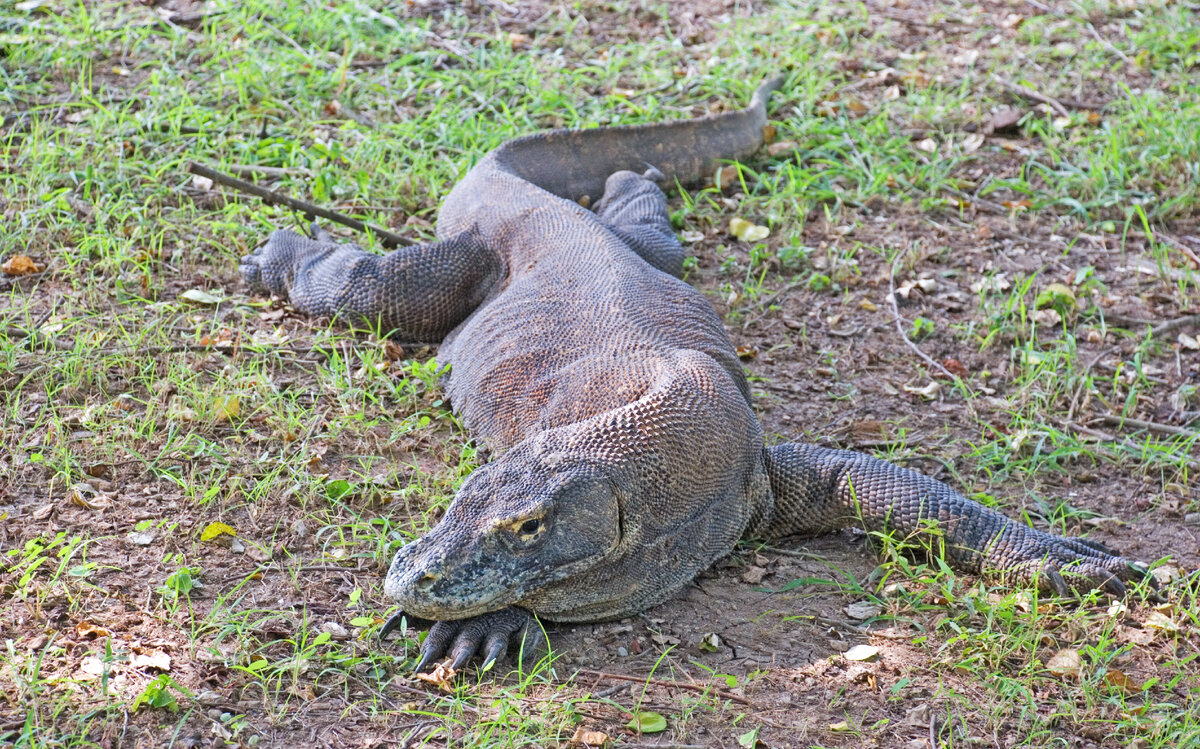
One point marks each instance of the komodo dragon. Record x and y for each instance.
(626, 454)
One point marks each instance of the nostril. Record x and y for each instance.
(426, 582)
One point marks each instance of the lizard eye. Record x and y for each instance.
(530, 527)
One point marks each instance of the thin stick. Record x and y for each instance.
(1033, 95)
(900, 326)
(1192, 257)
(386, 238)
(669, 684)
(1150, 426)
(984, 203)
(1172, 325)
(1125, 442)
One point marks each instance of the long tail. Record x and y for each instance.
(575, 163)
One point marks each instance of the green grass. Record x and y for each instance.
(135, 419)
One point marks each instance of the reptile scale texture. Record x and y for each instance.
(626, 456)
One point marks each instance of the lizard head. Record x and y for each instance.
(532, 518)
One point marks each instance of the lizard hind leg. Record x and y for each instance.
(635, 209)
(818, 489)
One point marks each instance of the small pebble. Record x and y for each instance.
(621, 651)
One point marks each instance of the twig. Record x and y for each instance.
(668, 684)
(249, 170)
(1172, 325)
(984, 203)
(1188, 252)
(1150, 426)
(1125, 442)
(1033, 95)
(1112, 47)
(387, 238)
(900, 325)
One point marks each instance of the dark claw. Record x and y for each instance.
(395, 621)
(488, 634)
(1115, 587)
(496, 646)
(1057, 583)
(441, 634)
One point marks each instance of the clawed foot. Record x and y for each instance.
(1066, 565)
(303, 271)
(489, 634)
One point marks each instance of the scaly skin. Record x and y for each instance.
(626, 455)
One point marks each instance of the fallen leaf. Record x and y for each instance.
(753, 575)
(89, 631)
(710, 643)
(840, 727)
(929, 392)
(647, 722)
(140, 538)
(1160, 621)
(198, 296)
(215, 529)
(862, 653)
(1003, 120)
(1065, 662)
(746, 352)
(228, 408)
(1121, 680)
(442, 677)
(20, 265)
(955, 367)
(589, 737)
(746, 231)
(928, 145)
(783, 146)
(972, 142)
(1188, 342)
(863, 610)
(83, 495)
(155, 659)
(1049, 317)
(724, 177)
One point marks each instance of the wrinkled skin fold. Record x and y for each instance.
(627, 457)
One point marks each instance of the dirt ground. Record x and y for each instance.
(829, 368)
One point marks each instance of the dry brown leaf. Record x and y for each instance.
(782, 146)
(20, 265)
(1121, 680)
(753, 575)
(153, 659)
(1003, 120)
(89, 631)
(1066, 662)
(724, 177)
(587, 737)
(442, 677)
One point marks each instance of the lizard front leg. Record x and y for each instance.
(416, 293)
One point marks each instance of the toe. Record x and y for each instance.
(496, 646)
